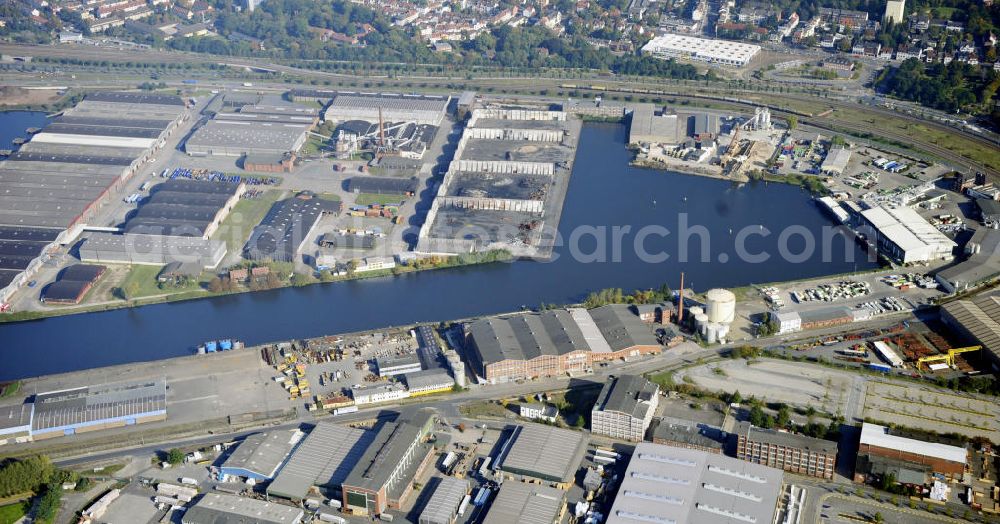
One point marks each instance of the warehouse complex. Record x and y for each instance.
(218, 508)
(288, 227)
(254, 129)
(527, 503)
(555, 342)
(906, 237)
(625, 408)
(55, 183)
(650, 124)
(981, 266)
(542, 452)
(911, 461)
(324, 459)
(687, 486)
(786, 451)
(260, 455)
(717, 52)
(383, 477)
(504, 186)
(442, 508)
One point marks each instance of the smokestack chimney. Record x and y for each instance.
(680, 302)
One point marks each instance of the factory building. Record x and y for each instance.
(688, 486)
(836, 161)
(977, 320)
(93, 408)
(555, 342)
(194, 208)
(442, 508)
(378, 392)
(288, 227)
(906, 237)
(625, 408)
(56, 183)
(648, 125)
(15, 423)
(392, 366)
(225, 137)
(217, 508)
(260, 455)
(383, 477)
(689, 434)
(542, 452)
(529, 503)
(156, 250)
(324, 459)
(429, 381)
(981, 266)
(418, 109)
(786, 451)
(716, 52)
(911, 461)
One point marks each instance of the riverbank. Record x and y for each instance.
(687, 169)
(203, 292)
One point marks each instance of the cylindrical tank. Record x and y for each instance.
(712, 332)
(700, 321)
(695, 311)
(720, 305)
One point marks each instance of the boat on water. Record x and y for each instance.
(215, 346)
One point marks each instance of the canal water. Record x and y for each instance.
(14, 123)
(604, 192)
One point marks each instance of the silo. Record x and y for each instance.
(712, 330)
(700, 322)
(720, 306)
(695, 311)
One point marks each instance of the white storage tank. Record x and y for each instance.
(712, 330)
(695, 311)
(720, 306)
(700, 321)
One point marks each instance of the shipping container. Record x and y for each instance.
(188, 481)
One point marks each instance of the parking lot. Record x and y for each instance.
(932, 409)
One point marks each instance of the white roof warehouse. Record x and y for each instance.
(722, 52)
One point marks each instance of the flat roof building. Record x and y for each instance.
(224, 137)
(260, 455)
(719, 52)
(624, 408)
(910, 460)
(383, 477)
(419, 109)
(15, 423)
(981, 267)
(544, 452)
(836, 161)
(154, 250)
(526, 504)
(219, 508)
(687, 486)
(906, 237)
(786, 451)
(442, 508)
(324, 458)
(689, 434)
(288, 227)
(92, 408)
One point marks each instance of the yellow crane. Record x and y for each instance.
(948, 358)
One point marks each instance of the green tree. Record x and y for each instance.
(28, 474)
(793, 122)
(175, 456)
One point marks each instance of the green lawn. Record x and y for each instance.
(13, 512)
(235, 229)
(9, 389)
(364, 199)
(142, 280)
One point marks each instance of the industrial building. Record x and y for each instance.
(72, 284)
(179, 207)
(555, 342)
(93, 408)
(324, 459)
(259, 455)
(442, 508)
(689, 434)
(977, 320)
(378, 392)
(688, 486)
(428, 381)
(287, 227)
(383, 185)
(650, 125)
(390, 107)
(911, 461)
(253, 130)
(383, 477)
(157, 250)
(15, 423)
(717, 52)
(836, 161)
(220, 508)
(906, 237)
(56, 183)
(542, 452)
(527, 503)
(786, 451)
(625, 408)
(981, 266)
(397, 365)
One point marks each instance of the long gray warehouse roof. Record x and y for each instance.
(545, 452)
(621, 327)
(218, 508)
(324, 458)
(390, 445)
(262, 453)
(441, 507)
(525, 337)
(90, 404)
(687, 486)
(247, 135)
(122, 97)
(781, 438)
(526, 504)
(390, 102)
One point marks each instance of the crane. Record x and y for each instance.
(948, 358)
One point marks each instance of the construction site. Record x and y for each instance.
(506, 185)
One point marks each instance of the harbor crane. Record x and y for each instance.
(948, 358)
